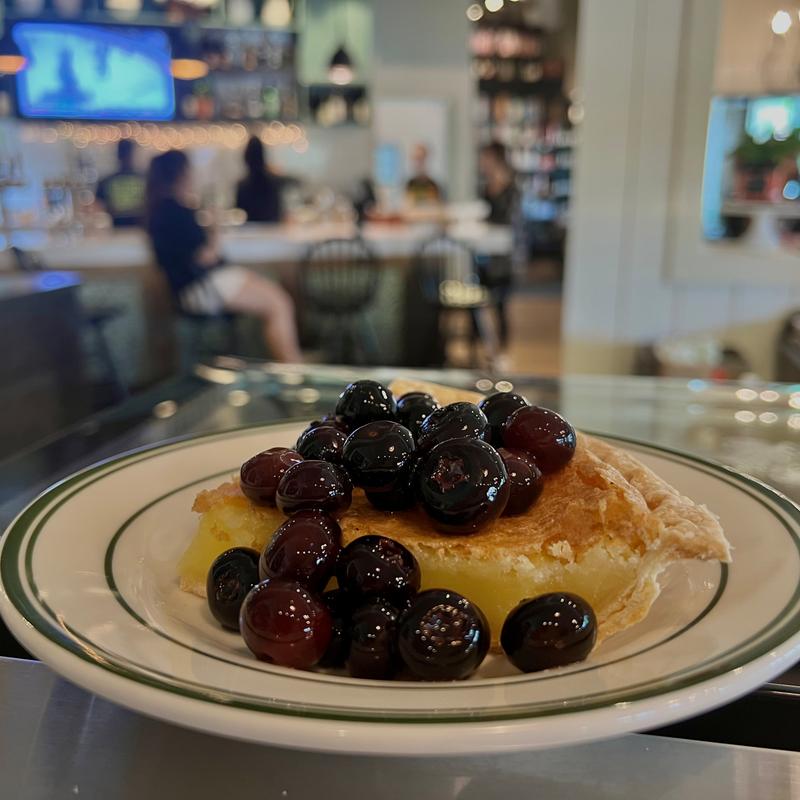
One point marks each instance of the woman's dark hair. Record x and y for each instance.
(496, 149)
(164, 173)
(255, 157)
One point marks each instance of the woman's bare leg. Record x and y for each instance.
(268, 300)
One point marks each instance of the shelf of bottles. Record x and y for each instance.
(251, 76)
(521, 104)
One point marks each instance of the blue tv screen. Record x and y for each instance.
(94, 72)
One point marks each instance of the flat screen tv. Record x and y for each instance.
(94, 72)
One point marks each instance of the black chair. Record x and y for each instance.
(447, 273)
(338, 281)
(95, 318)
(208, 335)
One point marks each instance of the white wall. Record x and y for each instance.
(645, 69)
(421, 51)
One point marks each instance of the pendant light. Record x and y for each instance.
(187, 62)
(340, 67)
(11, 59)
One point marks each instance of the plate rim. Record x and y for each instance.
(773, 658)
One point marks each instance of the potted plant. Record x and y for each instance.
(761, 165)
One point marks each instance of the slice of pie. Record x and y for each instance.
(605, 527)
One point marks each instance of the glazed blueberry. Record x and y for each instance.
(524, 478)
(542, 433)
(283, 623)
(549, 631)
(303, 549)
(340, 604)
(314, 485)
(260, 475)
(463, 485)
(324, 443)
(412, 408)
(443, 636)
(402, 494)
(379, 455)
(232, 575)
(498, 408)
(329, 421)
(373, 641)
(365, 401)
(376, 565)
(456, 421)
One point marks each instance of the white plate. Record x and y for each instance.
(88, 585)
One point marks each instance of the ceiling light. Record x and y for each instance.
(11, 59)
(493, 5)
(187, 63)
(340, 69)
(781, 22)
(474, 12)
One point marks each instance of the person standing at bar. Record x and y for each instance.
(121, 194)
(421, 189)
(259, 192)
(500, 192)
(200, 280)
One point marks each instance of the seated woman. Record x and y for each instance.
(200, 280)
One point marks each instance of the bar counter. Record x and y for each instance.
(254, 244)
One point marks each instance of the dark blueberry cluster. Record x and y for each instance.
(464, 465)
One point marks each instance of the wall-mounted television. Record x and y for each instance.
(94, 72)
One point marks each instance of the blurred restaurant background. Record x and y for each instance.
(538, 187)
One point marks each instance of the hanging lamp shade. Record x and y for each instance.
(340, 69)
(11, 59)
(187, 61)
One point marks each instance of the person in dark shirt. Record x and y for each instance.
(421, 189)
(122, 193)
(200, 280)
(259, 192)
(500, 192)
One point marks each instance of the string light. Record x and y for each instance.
(169, 137)
(781, 22)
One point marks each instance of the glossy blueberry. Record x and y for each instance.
(462, 485)
(303, 549)
(378, 455)
(456, 421)
(365, 401)
(283, 623)
(443, 636)
(543, 434)
(324, 443)
(260, 475)
(378, 566)
(373, 641)
(413, 408)
(340, 604)
(232, 575)
(549, 631)
(498, 408)
(524, 479)
(314, 485)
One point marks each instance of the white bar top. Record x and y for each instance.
(253, 244)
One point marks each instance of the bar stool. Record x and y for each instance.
(339, 279)
(447, 273)
(199, 343)
(95, 318)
